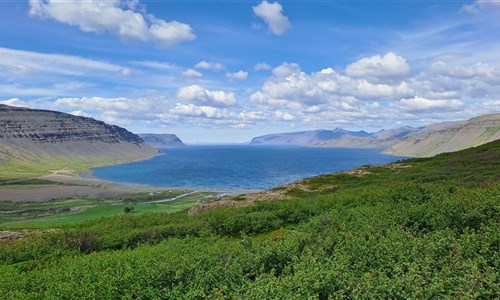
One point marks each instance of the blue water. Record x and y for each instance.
(239, 167)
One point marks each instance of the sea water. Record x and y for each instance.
(239, 166)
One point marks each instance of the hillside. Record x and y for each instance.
(161, 140)
(417, 229)
(402, 141)
(35, 137)
(450, 136)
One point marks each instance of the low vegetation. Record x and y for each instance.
(417, 229)
(13, 169)
(63, 212)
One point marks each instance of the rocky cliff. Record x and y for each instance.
(448, 137)
(34, 135)
(161, 140)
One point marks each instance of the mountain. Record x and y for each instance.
(448, 137)
(34, 135)
(307, 138)
(402, 141)
(161, 140)
(336, 138)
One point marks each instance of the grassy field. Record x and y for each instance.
(19, 169)
(417, 229)
(56, 213)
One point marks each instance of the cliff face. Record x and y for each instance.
(31, 134)
(161, 140)
(448, 137)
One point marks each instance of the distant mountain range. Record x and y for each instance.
(38, 135)
(404, 141)
(161, 140)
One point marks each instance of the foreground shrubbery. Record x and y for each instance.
(431, 230)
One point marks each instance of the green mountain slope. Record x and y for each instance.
(421, 228)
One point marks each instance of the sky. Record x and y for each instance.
(225, 71)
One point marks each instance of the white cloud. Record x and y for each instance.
(286, 69)
(198, 94)
(458, 71)
(14, 102)
(262, 67)
(190, 73)
(110, 16)
(79, 113)
(420, 104)
(121, 104)
(208, 65)
(240, 75)
(284, 116)
(389, 66)
(19, 62)
(197, 111)
(480, 5)
(156, 65)
(328, 97)
(271, 14)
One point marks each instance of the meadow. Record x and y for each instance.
(415, 229)
(60, 212)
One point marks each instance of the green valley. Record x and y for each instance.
(415, 229)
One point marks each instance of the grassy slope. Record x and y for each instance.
(427, 228)
(58, 213)
(18, 169)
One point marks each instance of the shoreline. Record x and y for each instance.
(67, 185)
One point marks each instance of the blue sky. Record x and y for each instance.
(226, 71)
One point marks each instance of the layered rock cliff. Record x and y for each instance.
(34, 135)
(161, 140)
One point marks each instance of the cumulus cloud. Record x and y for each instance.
(14, 102)
(271, 14)
(323, 99)
(240, 75)
(105, 104)
(421, 104)
(208, 65)
(261, 67)
(190, 73)
(79, 113)
(389, 66)
(341, 96)
(198, 94)
(480, 5)
(115, 17)
(286, 69)
(197, 111)
(284, 116)
(458, 71)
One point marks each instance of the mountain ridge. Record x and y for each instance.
(33, 135)
(402, 141)
(161, 140)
